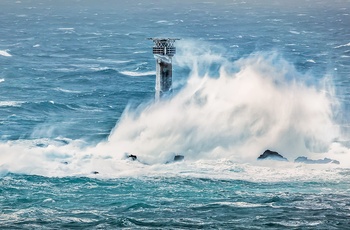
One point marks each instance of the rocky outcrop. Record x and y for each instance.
(319, 161)
(179, 158)
(175, 159)
(271, 155)
(132, 157)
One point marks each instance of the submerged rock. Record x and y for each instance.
(271, 155)
(319, 161)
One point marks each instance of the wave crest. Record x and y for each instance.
(138, 74)
(5, 53)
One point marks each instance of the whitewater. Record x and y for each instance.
(261, 103)
(77, 98)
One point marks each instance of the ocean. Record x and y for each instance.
(77, 97)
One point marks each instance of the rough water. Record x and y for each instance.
(77, 91)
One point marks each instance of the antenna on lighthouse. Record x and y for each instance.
(163, 51)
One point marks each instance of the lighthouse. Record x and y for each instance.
(163, 51)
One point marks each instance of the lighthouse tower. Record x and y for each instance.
(163, 51)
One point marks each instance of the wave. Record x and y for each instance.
(62, 157)
(11, 103)
(108, 61)
(5, 53)
(66, 28)
(138, 74)
(140, 52)
(221, 120)
(103, 70)
(311, 61)
(42, 106)
(66, 90)
(165, 22)
(340, 46)
(2, 80)
(86, 68)
(263, 104)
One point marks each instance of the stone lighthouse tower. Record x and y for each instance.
(163, 51)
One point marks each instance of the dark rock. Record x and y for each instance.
(176, 159)
(95, 172)
(41, 145)
(179, 158)
(132, 157)
(271, 155)
(65, 142)
(319, 161)
(303, 160)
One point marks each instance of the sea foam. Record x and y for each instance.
(221, 120)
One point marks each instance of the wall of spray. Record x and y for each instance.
(224, 111)
(255, 103)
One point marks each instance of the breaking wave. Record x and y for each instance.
(345, 45)
(255, 103)
(224, 116)
(10, 103)
(5, 53)
(138, 74)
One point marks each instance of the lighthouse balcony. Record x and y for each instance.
(169, 51)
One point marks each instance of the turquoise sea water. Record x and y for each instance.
(77, 95)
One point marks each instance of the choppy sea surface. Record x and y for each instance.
(77, 92)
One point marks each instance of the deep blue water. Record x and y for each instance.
(158, 202)
(77, 94)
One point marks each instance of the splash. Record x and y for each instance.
(249, 105)
(221, 117)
